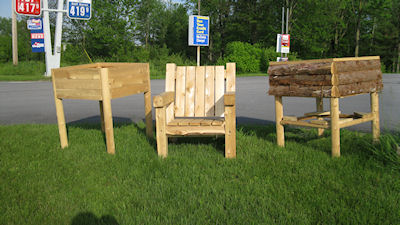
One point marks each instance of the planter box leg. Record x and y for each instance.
(107, 113)
(62, 129)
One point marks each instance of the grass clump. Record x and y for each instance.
(387, 150)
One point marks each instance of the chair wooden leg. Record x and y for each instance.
(148, 115)
(62, 129)
(280, 130)
(320, 108)
(230, 132)
(162, 139)
(335, 127)
(375, 112)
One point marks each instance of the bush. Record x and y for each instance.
(251, 58)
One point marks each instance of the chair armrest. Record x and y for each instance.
(229, 98)
(163, 99)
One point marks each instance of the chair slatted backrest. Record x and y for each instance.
(199, 90)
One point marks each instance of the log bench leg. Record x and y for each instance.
(148, 115)
(335, 127)
(62, 129)
(320, 108)
(375, 112)
(280, 130)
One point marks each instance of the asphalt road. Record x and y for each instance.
(33, 103)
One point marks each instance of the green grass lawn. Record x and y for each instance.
(195, 184)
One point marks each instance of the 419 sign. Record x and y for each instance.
(79, 9)
(28, 7)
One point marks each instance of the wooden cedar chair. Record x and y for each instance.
(195, 103)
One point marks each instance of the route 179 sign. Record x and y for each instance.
(28, 7)
(79, 9)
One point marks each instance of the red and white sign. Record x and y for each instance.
(285, 43)
(37, 36)
(28, 7)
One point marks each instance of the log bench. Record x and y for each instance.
(101, 82)
(326, 78)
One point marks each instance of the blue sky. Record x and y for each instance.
(5, 7)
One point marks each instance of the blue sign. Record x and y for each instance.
(37, 40)
(79, 9)
(34, 24)
(199, 31)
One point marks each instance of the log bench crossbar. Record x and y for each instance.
(326, 78)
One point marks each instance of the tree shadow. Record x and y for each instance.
(88, 218)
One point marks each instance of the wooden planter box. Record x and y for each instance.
(101, 82)
(325, 77)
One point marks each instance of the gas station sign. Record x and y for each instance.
(79, 9)
(28, 7)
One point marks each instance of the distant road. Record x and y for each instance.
(32, 102)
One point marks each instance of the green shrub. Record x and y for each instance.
(245, 55)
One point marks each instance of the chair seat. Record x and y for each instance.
(197, 121)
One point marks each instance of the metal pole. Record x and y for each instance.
(283, 24)
(58, 36)
(198, 47)
(287, 24)
(47, 38)
(14, 34)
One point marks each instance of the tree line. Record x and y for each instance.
(157, 31)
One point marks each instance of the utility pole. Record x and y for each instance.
(198, 47)
(14, 34)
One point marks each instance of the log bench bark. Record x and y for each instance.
(326, 78)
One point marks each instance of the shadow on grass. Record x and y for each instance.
(94, 123)
(88, 218)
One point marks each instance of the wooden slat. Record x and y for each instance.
(321, 122)
(359, 88)
(357, 65)
(89, 94)
(209, 91)
(196, 122)
(79, 74)
(303, 124)
(230, 77)
(356, 121)
(170, 86)
(195, 130)
(305, 68)
(327, 113)
(63, 83)
(219, 90)
(128, 90)
(190, 90)
(180, 91)
(124, 81)
(290, 118)
(359, 76)
(199, 93)
(323, 80)
(131, 70)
